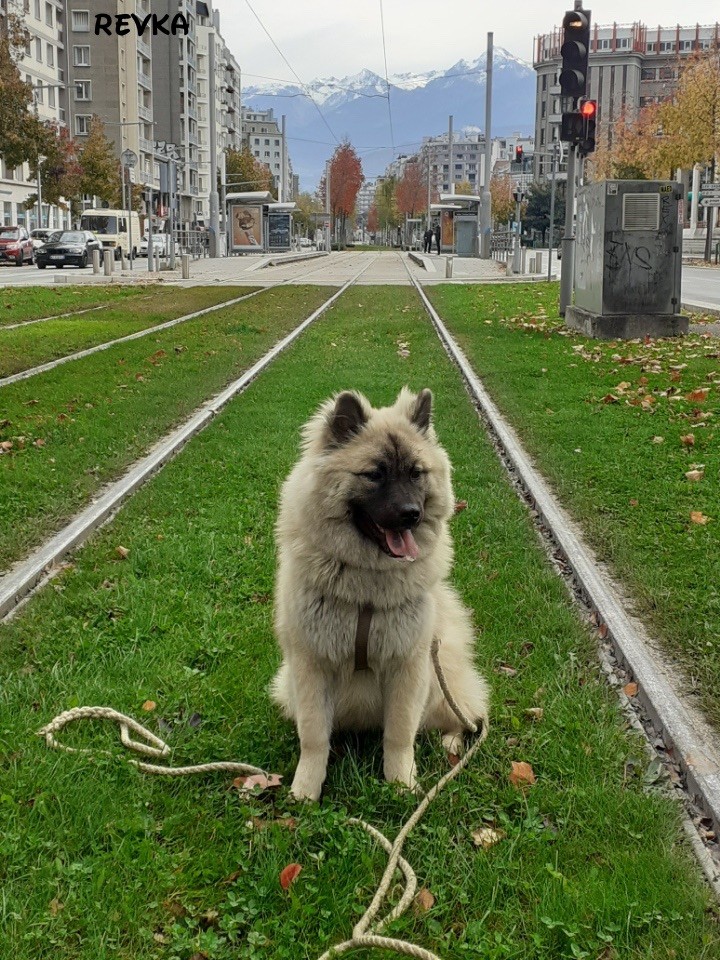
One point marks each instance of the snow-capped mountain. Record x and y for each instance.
(356, 107)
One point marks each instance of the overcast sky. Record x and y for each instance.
(322, 38)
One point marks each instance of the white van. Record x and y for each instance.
(111, 228)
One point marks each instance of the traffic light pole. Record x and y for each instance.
(567, 265)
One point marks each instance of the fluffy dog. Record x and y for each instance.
(364, 553)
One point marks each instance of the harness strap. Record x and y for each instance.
(361, 637)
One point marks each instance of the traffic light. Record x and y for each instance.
(575, 50)
(518, 154)
(588, 112)
(578, 126)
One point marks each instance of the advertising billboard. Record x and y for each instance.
(247, 227)
(278, 231)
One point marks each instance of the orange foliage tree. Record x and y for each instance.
(346, 177)
(411, 191)
(373, 222)
(502, 200)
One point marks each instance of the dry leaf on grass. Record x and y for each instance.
(289, 874)
(521, 775)
(699, 395)
(694, 475)
(487, 837)
(630, 689)
(424, 901)
(257, 780)
(56, 906)
(534, 713)
(122, 552)
(149, 706)
(688, 440)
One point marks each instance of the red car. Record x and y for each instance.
(16, 245)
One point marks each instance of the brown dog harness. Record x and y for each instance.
(361, 637)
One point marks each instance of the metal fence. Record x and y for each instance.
(501, 246)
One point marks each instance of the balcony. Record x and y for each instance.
(145, 113)
(145, 80)
(146, 146)
(144, 48)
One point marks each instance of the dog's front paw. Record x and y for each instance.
(400, 768)
(454, 743)
(306, 785)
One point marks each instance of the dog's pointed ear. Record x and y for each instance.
(421, 414)
(347, 418)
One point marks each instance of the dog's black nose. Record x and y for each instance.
(409, 516)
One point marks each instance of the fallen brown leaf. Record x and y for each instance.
(630, 689)
(688, 440)
(534, 713)
(698, 396)
(149, 706)
(521, 775)
(698, 517)
(260, 780)
(424, 900)
(289, 874)
(694, 475)
(56, 906)
(122, 552)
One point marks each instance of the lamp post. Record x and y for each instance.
(129, 160)
(40, 160)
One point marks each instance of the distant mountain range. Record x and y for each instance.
(356, 108)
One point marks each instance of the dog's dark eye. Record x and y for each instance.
(416, 473)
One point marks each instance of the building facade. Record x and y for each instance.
(43, 67)
(630, 66)
(267, 142)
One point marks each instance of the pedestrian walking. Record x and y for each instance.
(427, 241)
(437, 236)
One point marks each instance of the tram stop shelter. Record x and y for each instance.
(459, 219)
(257, 223)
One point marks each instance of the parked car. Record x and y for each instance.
(40, 237)
(16, 245)
(161, 245)
(67, 248)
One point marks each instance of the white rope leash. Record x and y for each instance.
(367, 932)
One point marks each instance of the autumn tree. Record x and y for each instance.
(502, 200)
(411, 191)
(634, 148)
(308, 205)
(244, 172)
(100, 168)
(60, 171)
(20, 130)
(388, 216)
(464, 188)
(346, 178)
(373, 221)
(536, 210)
(691, 119)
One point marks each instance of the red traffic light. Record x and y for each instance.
(588, 108)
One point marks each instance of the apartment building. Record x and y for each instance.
(365, 199)
(111, 77)
(463, 161)
(42, 66)
(630, 66)
(267, 142)
(227, 104)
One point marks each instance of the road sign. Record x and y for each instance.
(711, 201)
(710, 188)
(129, 158)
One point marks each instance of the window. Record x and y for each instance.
(667, 73)
(39, 92)
(267, 153)
(651, 47)
(648, 73)
(51, 96)
(257, 141)
(38, 50)
(83, 90)
(82, 124)
(81, 21)
(603, 44)
(267, 144)
(667, 46)
(37, 9)
(7, 213)
(50, 55)
(48, 14)
(686, 45)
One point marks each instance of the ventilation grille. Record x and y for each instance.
(641, 211)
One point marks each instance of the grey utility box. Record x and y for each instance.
(628, 258)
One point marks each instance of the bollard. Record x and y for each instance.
(123, 264)
(108, 262)
(531, 265)
(185, 264)
(156, 258)
(523, 259)
(538, 263)
(448, 267)
(96, 261)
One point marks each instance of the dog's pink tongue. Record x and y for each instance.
(402, 544)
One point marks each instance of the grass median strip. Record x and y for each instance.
(65, 433)
(98, 860)
(627, 434)
(32, 303)
(27, 347)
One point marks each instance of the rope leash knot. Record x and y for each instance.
(367, 933)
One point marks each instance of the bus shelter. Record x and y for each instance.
(257, 223)
(458, 216)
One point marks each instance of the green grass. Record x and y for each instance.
(31, 303)
(620, 467)
(77, 426)
(38, 343)
(99, 862)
